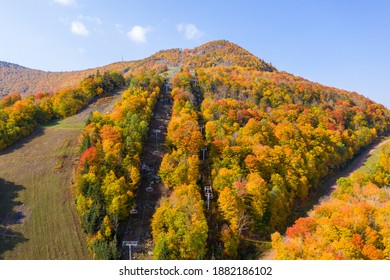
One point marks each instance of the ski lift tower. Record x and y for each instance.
(156, 131)
(208, 190)
(130, 244)
(204, 149)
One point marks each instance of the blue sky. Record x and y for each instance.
(345, 44)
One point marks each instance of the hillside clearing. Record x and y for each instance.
(38, 218)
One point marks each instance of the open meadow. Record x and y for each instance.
(38, 217)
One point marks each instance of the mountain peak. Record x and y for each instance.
(214, 53)
(224, 53)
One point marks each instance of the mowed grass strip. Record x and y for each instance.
(38, 217)
(50, 222)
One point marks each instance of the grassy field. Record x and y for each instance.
(38, 218)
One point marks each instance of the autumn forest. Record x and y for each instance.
(206, 153)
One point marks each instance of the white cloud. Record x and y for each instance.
(138, 33)
(83, 25)
(189, 30)
(78, 28)
(65, 2)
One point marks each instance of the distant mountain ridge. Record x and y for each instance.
(16, 78)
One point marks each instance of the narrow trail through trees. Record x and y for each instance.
(328, 185)
(355, 165)
(151, 189)
(205, 183)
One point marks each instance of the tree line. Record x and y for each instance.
(19, 117)
(179, 226)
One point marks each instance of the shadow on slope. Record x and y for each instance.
(11, 213)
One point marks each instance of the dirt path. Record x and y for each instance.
(38, 218)
(328, 186)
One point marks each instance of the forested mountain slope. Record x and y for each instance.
(272, 137)
(250, 141)
(246, 145)
(353, 224)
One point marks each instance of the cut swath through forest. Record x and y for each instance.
(150, 189)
